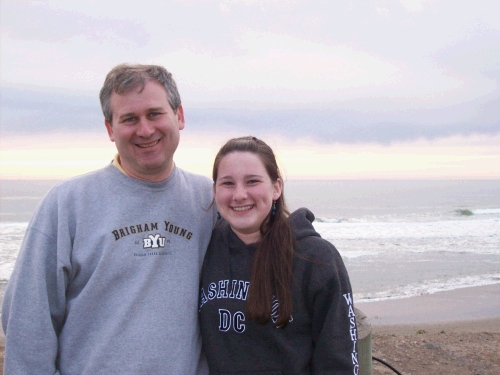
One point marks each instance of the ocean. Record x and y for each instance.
(397, 238)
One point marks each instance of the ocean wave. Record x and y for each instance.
(422, 216)
(11, 237)
(325, 220)
(349, 254)
(478, 211)
(452, 229)
(464, 212)
(428, 287)
(18, 226)
(487, 211)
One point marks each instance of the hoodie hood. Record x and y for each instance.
(301, 223)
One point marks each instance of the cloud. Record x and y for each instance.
(27, 110)
(39, 21)
(349, 126)
(30, 111)
(331, 71)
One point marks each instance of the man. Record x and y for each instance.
(107, 278)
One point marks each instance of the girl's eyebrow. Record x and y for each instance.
(245, 176)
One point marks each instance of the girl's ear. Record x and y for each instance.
(278, 187)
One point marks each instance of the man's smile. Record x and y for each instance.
(151, 144)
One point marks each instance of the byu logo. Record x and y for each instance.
(153, 242)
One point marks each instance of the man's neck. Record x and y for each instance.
(117, 163)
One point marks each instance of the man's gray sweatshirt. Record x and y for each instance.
(107, 278)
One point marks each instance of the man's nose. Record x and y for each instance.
(145, 128)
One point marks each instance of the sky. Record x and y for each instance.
(405, 89)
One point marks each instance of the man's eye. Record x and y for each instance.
(154, 114)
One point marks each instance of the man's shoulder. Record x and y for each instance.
(86, 178)
(194, 178)
(81, 182)
(68, 196)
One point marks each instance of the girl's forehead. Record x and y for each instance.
(241, 157)
(241, 163)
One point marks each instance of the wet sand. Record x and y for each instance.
(456, 305)
(455, 332)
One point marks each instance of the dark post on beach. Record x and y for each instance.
(364, 343)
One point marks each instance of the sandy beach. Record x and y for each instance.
(455, 332)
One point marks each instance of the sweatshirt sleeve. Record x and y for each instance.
(34, 304)
(334, 329)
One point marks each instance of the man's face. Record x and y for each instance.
(145, 130)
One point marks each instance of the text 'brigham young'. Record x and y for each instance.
(140, 228)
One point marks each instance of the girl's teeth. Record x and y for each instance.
(244, 208)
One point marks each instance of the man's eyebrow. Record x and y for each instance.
(129, 114)
(133, 114)
(156, 109)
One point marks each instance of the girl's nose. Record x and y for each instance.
(240, 192)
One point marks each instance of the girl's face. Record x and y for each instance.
(244, 193)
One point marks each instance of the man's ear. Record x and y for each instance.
(109, 128)
(180, 117)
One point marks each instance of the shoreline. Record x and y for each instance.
(458, 305)
(461, 326)
(453, 332)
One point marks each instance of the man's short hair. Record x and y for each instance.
(124, 78)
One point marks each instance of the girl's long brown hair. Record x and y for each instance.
(273, 259)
